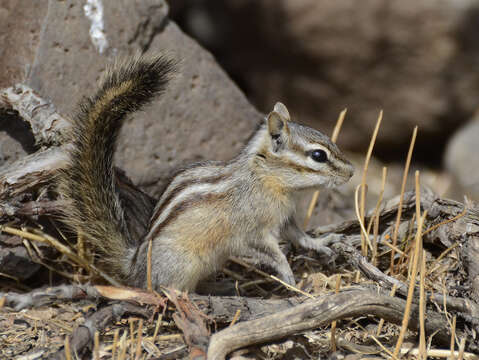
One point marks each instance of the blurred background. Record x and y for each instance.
(418, 61)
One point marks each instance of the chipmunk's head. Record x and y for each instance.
(300, 156)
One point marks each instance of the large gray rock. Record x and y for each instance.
(462, 160)
(416, 60)
(203, 115)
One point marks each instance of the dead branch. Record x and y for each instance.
(464, 230)
(358, 261)
(47, 126)
(220, 309)
(31, 172)
(316, 313)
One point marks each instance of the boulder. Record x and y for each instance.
(461, 159)
(203, 115)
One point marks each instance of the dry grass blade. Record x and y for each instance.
(453, 337)
(418, 194)
(139, 337)
(360, 220)
(115, 343)
(334, 137)
(412, 281)
(236, 317)
(364, 237)
(440, 257)
(96, 347)
(462, 346)
(375, 218)
(445, 222)
(123, 346)
(132, 337)
(47, 239)
(157, 326)
(401, 198)
(333, 324)
(68, 351)
(339, 124)
(391, 246)
(384, 348)
(312, 204)
(11, 277)
(262, 273)
(291, 287)
(422, 309)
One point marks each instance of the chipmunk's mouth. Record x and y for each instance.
(338, 180)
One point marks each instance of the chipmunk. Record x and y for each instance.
(210, 210)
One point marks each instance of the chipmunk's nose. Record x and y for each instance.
(348, 169)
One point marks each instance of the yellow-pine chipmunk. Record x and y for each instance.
(210, 210)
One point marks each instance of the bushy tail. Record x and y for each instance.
(94, 209)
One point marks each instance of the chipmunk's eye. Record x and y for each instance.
(319, 155)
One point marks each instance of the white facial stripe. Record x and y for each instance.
(313, 146)
(304, 161)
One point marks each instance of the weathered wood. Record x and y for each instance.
(221, 309)
(29, 174)
(48, 127)
(353, 257)
(319, 312)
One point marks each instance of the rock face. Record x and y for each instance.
(203, 115)
(20, 28)
(417, 61)
(461, 158)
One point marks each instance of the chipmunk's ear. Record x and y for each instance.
(278, 126)
(282, 111)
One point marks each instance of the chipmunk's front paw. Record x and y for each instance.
(321, 244)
